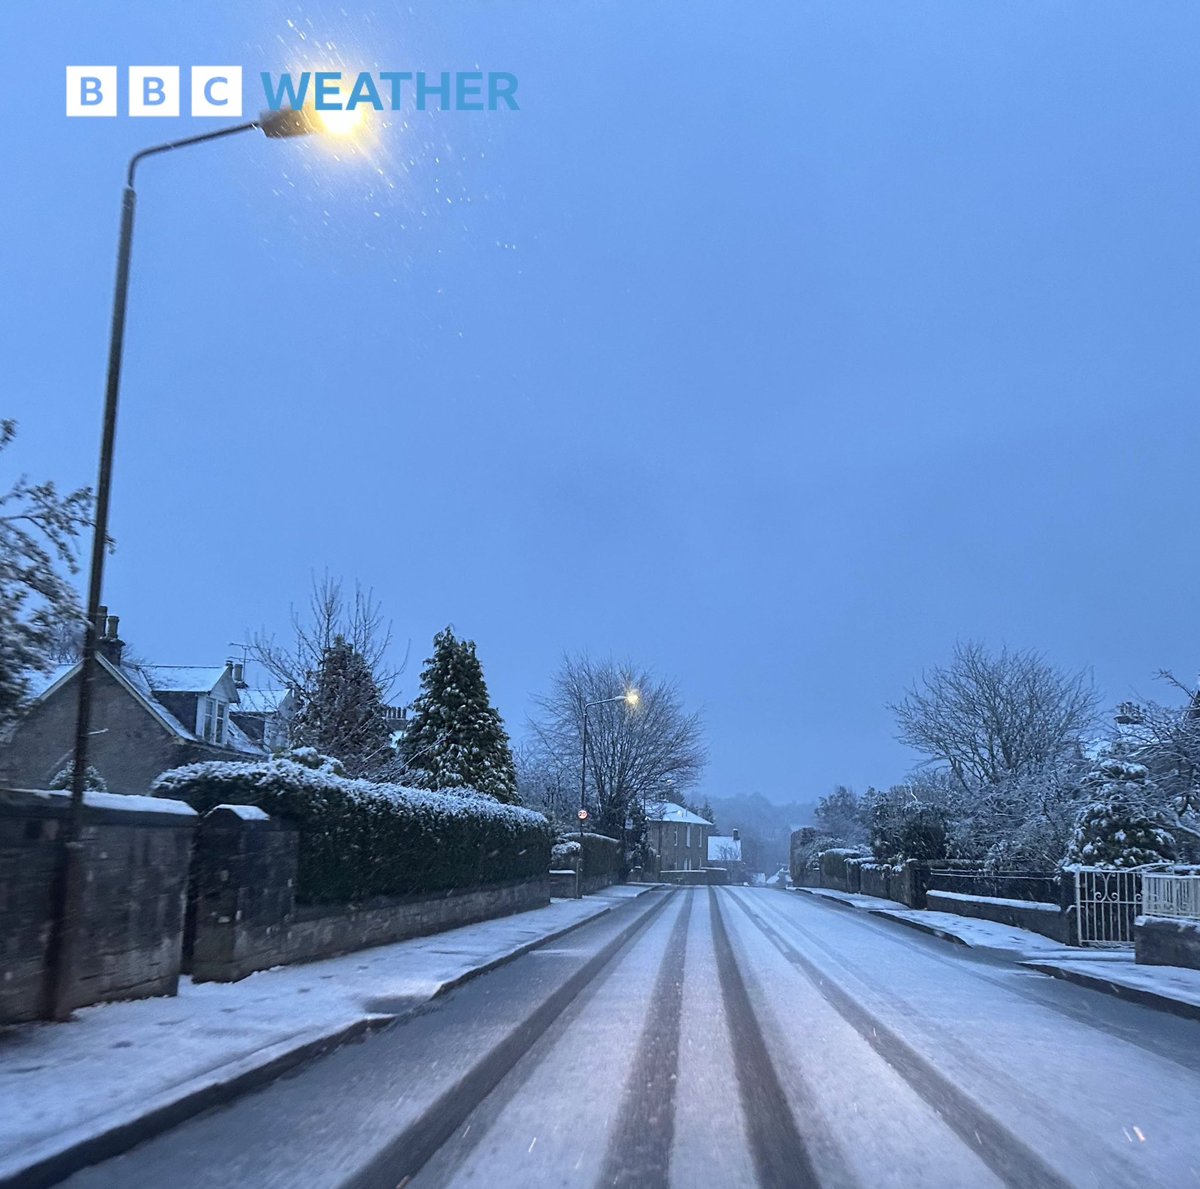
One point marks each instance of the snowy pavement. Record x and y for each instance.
(1170, 988)
(65, 1084)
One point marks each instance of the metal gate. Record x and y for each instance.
(1106, 903)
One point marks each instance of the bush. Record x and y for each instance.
(359, 840)
(92, 780)
(904, 827)
(601, 854)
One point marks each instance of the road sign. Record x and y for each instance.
(582, 815)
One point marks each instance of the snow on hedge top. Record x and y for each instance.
(266, 773)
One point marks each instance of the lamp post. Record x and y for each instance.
(631, 698)
(278, 125)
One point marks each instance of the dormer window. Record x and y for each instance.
(212, 719)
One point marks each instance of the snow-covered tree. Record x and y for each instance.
(39, 529)
(840, 815)
(333, 616)
(1118, 828)
(92, 780)
(455, 737)
(340, 711)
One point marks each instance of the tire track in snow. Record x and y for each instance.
(639, 1148)
(1013, 1161)
(780, 1157)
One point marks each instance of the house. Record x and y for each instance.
(726, 851)
(678, 835)
(145, 719)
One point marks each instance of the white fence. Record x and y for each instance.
(1171, 894)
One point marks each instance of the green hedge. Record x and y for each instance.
(601, 854)
(359, 840)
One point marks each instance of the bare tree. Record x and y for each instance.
(632, 752)
(992, 716)
(336, 623)
(544, 782)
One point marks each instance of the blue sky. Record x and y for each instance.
(773, 347)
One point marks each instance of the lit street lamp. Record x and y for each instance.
(631, 698)
(278, 125)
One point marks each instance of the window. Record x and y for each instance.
(213, 717)
(676, 835)
(688, 842)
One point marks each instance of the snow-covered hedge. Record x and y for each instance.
(359, 839)
(601, 854)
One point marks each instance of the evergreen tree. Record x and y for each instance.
(455, 738)
(92, 780)
(341, 712)
(1117, 829)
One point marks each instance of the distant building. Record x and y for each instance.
(678, 835)
(725, 850)
(145, 719)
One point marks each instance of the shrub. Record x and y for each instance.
(601, 854)
(360, 840)
(92, 780)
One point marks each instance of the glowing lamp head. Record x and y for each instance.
(632, 699)
(342, 122)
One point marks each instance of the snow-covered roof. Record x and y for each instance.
(137, 681)
(261, 701)
(724, 848)
(39, 683)
(183, 679)
(668, 811)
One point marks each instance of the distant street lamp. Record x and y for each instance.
(278, 125)
(631, 698)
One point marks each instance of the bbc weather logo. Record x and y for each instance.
(154, 90)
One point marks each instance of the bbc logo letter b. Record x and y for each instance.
(91, 90)
(154, 90)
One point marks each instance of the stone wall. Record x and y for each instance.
(1047, 919)
(1167, 941)
(135, 856)
(247, 920)
(706, 877)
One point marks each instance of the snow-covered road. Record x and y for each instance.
(726, 1037)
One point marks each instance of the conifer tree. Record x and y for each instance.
(455, 738)
(1116, 829)
(341, 713)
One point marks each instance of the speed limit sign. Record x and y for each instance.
(582, 815)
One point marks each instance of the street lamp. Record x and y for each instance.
(278, 125)
(631, 697)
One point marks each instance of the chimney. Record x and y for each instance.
(736, 836)
(108, 643)
(239, 675)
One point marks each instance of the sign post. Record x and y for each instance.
(583, 816)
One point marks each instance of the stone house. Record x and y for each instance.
(679, 836)
(145, 719)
